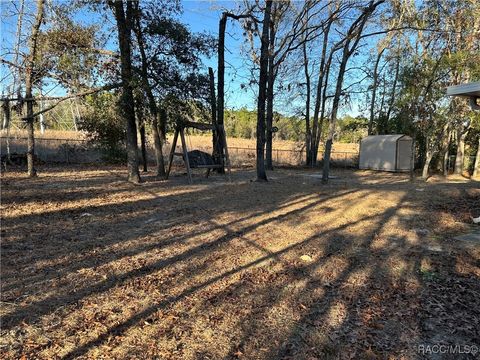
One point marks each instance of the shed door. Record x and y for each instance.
(404, 154)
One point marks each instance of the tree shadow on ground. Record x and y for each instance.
(362, 285)
(79, 245)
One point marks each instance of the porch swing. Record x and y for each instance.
(197, 159)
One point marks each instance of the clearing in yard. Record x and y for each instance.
(365, 267)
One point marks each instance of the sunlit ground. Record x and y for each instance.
(365, 267)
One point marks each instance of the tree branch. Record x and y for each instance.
(80, 94)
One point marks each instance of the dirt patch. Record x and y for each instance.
(95, 267)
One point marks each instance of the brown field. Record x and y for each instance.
(65, 147)
(203, 140)
(366, 267)
(48, 134)
(194, 140)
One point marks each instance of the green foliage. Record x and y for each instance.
(429, 65)
(70, 50)
(289, 128)
(471, 141)
(242, 123)
(352, 129)
(104, 126)
(174, 53)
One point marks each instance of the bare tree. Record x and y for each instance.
(300, 30)
(270, 86)
(222, 26)
(374, 89)
(262, 93)
(352, 39)
(308, 132)
(322, 84)
(218, 145)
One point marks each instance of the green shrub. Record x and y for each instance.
(104, 127)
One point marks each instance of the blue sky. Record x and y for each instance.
(203, 16)
(200, 16)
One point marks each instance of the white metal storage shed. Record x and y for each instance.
(386, 152)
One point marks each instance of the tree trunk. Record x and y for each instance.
(459, 158)
(270, 95)
(374, 92)
(216, 138)
(6, 121)
(143, 144)
(32, 172)
(333, 118)
(412, 156)
(445, 144)
(152, 105)
(42, 119)
(221, 84)
(127, 103)
(316, 127)
(476, 167)
(262, 92)
(157, 142)
(445, 163)
(324, 104)
(269, 122)
(6, 114)
(162, 124)
(394, 88)
(382, 105)
(428, 159)
(308, 134)
(139, 110)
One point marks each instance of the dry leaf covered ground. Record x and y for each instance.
(365, 267)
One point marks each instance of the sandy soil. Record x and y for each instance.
(362, 268)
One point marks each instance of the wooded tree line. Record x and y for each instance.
(395, 57)
(241, 123)
(389, 59)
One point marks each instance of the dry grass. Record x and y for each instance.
(242, 151)
(48, 134)
(205, 140)
(94, 267)
(194, 140)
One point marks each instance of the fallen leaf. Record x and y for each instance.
(306, 258)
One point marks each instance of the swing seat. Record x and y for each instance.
(200, 159)
(196, 158)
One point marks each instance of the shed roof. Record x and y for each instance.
(385, 138)
(468, 90)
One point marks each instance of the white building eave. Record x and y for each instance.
(470, 90)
